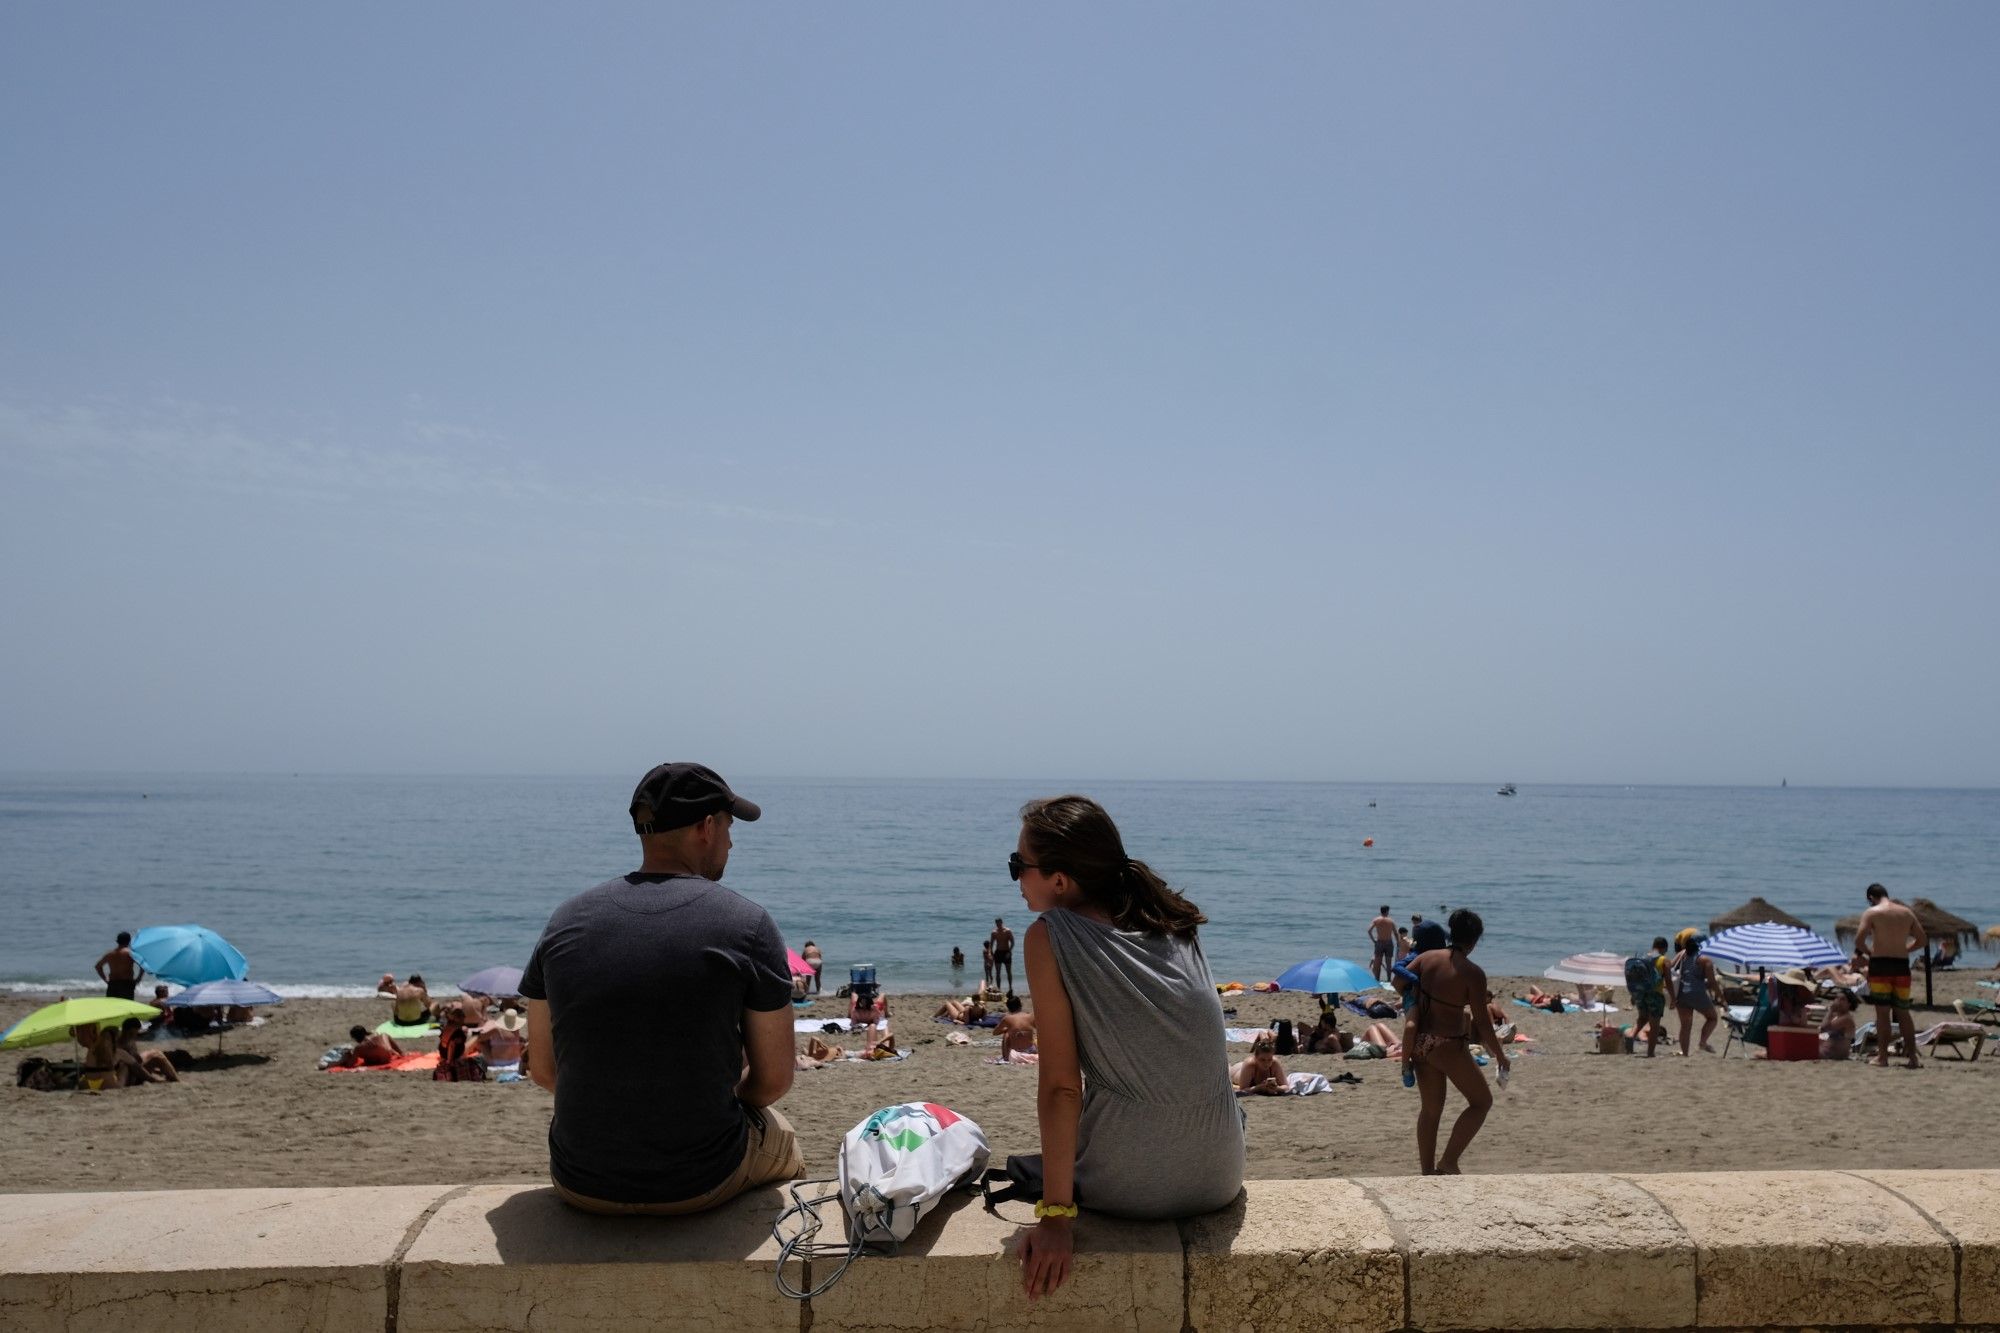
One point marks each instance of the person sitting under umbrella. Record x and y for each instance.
(142, 1066)
(1791, 991)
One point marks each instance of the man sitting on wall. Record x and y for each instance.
(691, 1124)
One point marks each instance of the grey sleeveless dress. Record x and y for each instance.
(1161, 1134)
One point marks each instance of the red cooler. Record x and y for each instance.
(1792, 1043)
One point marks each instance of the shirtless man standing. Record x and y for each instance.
(1382, 935)
(1016, 1030)
(1890, 933)
(119, 969)
(1002, 940)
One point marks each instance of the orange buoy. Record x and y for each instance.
(1368, 842)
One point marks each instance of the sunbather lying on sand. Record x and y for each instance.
(967, 1011)
(1261, 1072)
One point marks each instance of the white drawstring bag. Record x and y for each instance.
(900, 1161)
(894, 1167)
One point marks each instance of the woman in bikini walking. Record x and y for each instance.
(1450, 1012)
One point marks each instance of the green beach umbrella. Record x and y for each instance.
(51, 1023)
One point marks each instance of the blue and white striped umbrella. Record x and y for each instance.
(1769, 945)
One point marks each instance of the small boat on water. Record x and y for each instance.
(1506, 789)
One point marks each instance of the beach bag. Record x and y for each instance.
(1756, 1030)
(894, 1167)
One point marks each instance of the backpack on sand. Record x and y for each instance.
(894, 1168)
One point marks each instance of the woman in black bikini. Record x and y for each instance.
(1451, 1010)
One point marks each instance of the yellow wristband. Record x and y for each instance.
(1044, 1208)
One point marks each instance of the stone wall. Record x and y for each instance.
(1863, 1249)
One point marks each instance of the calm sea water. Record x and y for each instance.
(326, 882)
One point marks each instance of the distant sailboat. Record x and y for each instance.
(1506, 789)
(1783, 783)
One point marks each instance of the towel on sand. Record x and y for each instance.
(819, 1024)
(1571, 1008)
(401, 1030)
(407, 1060)
(1245, 1034)
(1305, 1085)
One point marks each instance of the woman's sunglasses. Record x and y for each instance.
(1015, 865)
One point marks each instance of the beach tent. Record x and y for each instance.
(1935, 921)
(1773, 947)
(1599, 968)
(1754, 912)
(189, 955)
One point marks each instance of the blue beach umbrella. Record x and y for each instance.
(189, 955)
(1775, 947)
(499, 982)
(226, 992)
(1328, 976)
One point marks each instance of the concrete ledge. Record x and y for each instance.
(1513, 1251)
(1776, 1250)
(216, 1259)
(1295, 1254)
(1811, 1248)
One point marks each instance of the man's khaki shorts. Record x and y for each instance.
(772, 1153)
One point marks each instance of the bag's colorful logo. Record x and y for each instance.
(905, 1127)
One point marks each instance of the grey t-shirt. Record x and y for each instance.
(647, 978)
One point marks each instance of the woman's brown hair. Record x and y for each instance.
(1074, 835)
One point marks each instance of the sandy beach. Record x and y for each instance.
(261, 1114)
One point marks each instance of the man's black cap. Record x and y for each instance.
(675, 795)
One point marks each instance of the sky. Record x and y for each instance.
(1565, 392)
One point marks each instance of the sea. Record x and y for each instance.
(326, 882)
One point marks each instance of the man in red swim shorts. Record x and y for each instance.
(1889, 933)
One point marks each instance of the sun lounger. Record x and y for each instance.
(1977, 1011)
(1952, 1036)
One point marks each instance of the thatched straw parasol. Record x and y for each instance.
(1755, 912)
(1993, 935)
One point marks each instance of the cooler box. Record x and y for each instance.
(1792, 1043)
(861, 974)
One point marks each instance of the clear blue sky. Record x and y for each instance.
(1556, 392)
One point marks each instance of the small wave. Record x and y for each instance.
(78, 987)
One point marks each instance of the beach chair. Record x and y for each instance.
(1952, 1037)
(1978, 1011)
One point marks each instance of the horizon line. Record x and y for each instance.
(938, 778)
